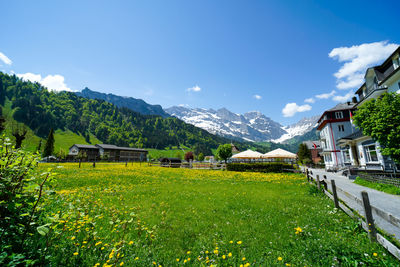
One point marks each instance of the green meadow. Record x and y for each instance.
(136, 215)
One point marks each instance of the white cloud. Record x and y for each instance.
(357, 59)
(292, 108)
(5, 59)
(343, 98)
(326, 96)
(194, 89)
(52, 82)
(309, 100)
(258, 97)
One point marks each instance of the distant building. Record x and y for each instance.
(107, 152)
(363, 151)
(85, 152)
(333, 125)
(235, 150)
(315, 149)
(116, 153)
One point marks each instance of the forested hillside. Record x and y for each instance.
(41, 110)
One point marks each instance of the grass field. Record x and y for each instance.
(145, 216)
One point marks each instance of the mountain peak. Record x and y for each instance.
(137, 105)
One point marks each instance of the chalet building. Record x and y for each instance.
(333, 125)
(116, 153)
(315, 149)
(107, 152)
(363, 150)
(85, 152)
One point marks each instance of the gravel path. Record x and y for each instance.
(347, 190)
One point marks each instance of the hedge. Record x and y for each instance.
(260, 167)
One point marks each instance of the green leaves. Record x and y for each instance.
(43, 230)
(380, 119)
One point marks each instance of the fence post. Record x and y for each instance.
(308, 177)
(80, 160)
(318, 183)
(335, 197)
(368, 216)
(94, 164)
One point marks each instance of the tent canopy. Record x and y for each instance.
(280, 153)
(248, 154)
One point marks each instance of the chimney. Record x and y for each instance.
(348, 103)
(354, 99)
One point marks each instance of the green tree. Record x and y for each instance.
(49, 145)
(304, 154)
(200, 157)
(224, 152)
(2, 120)
(380, 119)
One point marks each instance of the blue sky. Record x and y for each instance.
(268, 56)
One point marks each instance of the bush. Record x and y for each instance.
(21, 191)
(259, 167)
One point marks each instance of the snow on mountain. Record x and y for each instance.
(251, 126)
(305, 125)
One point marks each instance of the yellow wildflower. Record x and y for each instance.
(375, 254)
(279, 258)
(72, 238)
(76, 253)
(239, 242)
(229, 254)
(122, 263)
(223, 257)
(130, 242)
(243, 259)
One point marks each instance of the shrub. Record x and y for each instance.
(21, 190)
(259, 167)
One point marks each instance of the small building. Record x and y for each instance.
(84, 152)
(315, 149)
(170, 162)
(116, 153)
(106, 152)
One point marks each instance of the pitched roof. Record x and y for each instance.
(107, 146)
(343, 106)
(114, 147)
(279, 153)
(248, 154)
(85, 146)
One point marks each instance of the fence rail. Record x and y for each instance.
(194, 165)
(368, 209)
(382, 178)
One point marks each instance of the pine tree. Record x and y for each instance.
(49, 146)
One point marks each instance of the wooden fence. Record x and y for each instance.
(367, 221)
(193, 165)
(382, 178)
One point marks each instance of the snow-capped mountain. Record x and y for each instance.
(302, 127)
(251, 126)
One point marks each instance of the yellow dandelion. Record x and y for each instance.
(136, 258)
(223, 257)
(244, 258)
(375, 254)
(239, 242)
(177, 260)
(279, 258)
(130, 242)
(229, 254)
(76, 253)
(72, 238)
(188, 252)
(122, 263)
(154, 263)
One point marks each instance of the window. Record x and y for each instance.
(339, 115)
(341, 128)
(346, 155)
(370, 153)
(328, 158)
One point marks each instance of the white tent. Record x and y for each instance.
(248, 154)
(279, 153)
